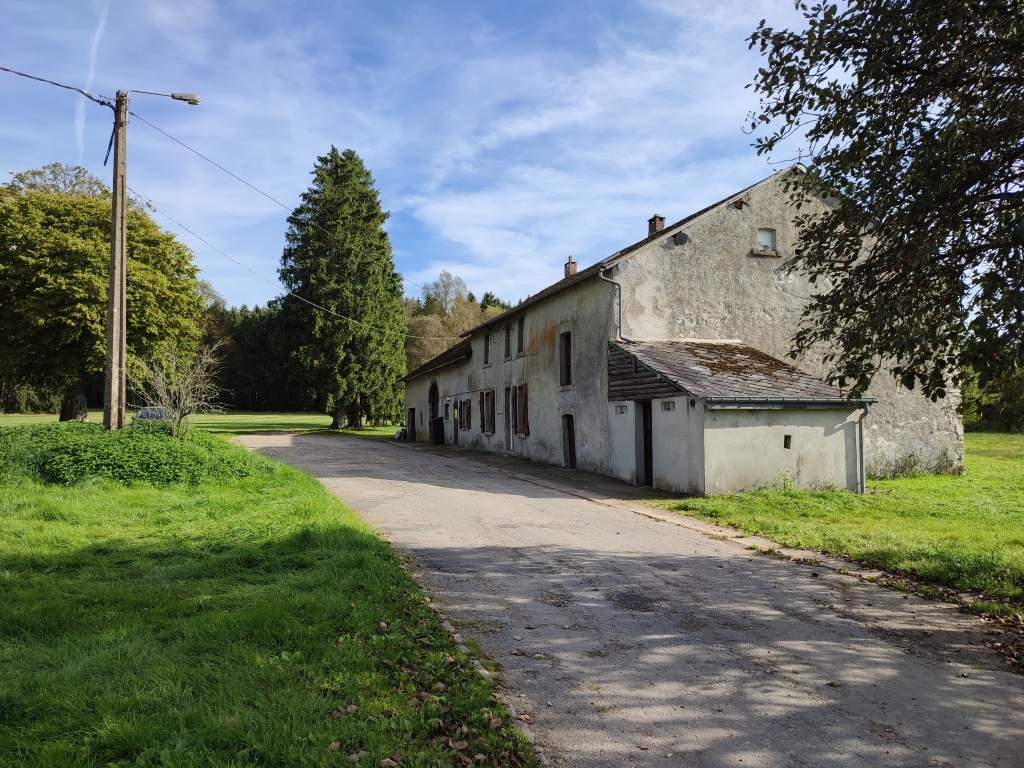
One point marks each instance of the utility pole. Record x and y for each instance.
(114, 389)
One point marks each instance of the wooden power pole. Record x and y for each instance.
(114, 389)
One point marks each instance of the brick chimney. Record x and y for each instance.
(655, 224)
(570, 267)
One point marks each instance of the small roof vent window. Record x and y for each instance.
(766, 239)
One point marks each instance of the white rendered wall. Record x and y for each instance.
(744, 449)
(678, 446)
(622, 441)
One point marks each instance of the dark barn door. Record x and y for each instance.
(436, 422)
(569, 441)
(645, 470)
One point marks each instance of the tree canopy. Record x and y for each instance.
(54, 267)
(337, 256)
(913, 113)
(446, 310)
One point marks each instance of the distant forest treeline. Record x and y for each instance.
(255, 375)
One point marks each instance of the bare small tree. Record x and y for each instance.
(180, 386)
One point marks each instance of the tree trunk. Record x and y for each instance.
(355, 416)
(74, 407)
(339, 417)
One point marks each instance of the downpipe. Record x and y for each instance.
(619, 286)
(860, 441)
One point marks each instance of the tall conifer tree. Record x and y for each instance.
(338, 256)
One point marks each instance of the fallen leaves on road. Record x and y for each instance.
(641, 746)
(518, 652)
(836, 684)
(525, 718)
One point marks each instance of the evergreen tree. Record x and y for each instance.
(338, 256)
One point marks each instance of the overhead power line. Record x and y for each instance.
(104, 100)
(277, 283)
(243, 181)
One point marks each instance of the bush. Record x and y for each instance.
(69, 452)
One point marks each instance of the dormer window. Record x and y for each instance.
(766, 239)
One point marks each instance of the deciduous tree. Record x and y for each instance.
(54, 266)
(913, 112)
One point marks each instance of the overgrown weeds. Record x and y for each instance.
(69, 452)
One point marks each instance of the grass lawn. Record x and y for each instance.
(966, 531)
(228, 423)
(247, 621)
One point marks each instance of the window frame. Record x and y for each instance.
(565, 359)
(487, 349)
(508, 342)
(521, 337)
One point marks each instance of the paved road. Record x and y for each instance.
(631, 641)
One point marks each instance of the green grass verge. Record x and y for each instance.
(963, 531)
(251, 621)
(227, 423)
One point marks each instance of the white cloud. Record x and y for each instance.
(81, 106)
(501, 139)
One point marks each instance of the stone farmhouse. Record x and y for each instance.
(663, 365)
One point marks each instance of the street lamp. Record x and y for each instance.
(114, 384)
(114, 376)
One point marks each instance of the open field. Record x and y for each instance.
(966, 531)
(227, 423)
(249, 621)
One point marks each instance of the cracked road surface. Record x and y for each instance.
(629, 641)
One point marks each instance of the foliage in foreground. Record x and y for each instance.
(911, 112)
(963, 531)
(67, 453)
(254, 621)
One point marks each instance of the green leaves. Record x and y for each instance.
(912, 113)
(54, 267)
(338, 257)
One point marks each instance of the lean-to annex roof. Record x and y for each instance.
(730, 372)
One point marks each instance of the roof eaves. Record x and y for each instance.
(608, 262)
(423, 371)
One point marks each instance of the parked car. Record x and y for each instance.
(149, 414)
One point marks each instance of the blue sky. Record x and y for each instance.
(503, 136)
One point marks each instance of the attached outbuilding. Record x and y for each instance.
(708, 417)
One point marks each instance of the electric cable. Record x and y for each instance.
(104, 100)
(98, 98)
(239, 178)
(277, 283)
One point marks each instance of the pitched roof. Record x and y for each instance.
(461, 351)
(609, 262)
(718, 372)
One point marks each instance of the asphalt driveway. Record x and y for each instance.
(631, 641)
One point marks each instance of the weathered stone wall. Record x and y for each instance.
(586, 311)
(720, 285)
